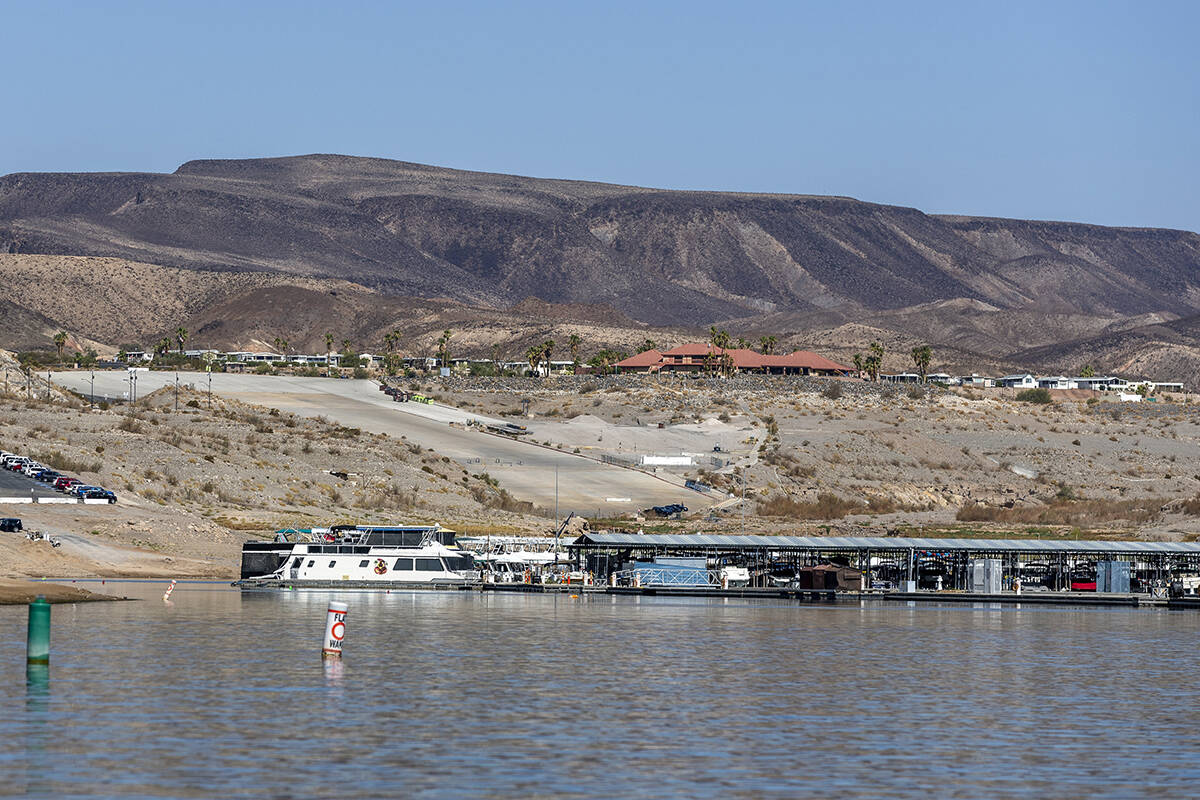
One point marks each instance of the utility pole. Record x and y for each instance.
(743, 498)
(93, 400)
(176, 391)
(210, 387)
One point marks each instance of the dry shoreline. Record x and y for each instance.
(16, 593)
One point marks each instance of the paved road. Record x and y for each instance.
(526, 470)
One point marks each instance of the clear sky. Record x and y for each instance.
(1086, 111)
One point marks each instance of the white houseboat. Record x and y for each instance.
(358, 556)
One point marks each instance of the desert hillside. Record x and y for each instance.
(242, 252)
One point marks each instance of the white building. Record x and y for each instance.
(976, 381)
(1025, 381)
(1057, 382)
(1103, 383)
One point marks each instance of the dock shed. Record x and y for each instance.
(1056, 564)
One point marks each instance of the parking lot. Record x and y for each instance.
(14, 484)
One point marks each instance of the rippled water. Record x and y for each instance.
(223, 694)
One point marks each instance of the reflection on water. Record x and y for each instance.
(223, 694)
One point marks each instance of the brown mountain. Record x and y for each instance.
(789, 264)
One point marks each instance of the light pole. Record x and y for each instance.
(176, 391)
(93, 401)
(743, 498)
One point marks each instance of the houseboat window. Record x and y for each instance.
(404, 564)
(364, 562)
(332, 563)
(459, 563)
(311, 562)
(429, 564)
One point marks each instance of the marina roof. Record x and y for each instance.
(828, 543)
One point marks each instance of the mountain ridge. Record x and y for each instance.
(671, 259)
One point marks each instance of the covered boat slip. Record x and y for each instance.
(915, 563)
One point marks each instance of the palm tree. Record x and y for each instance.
(164, 346)
(574, 342)
(547, 349)
(874, 360)
(720, 341)
(60, 343)
(281, 344)
(181, 336)
(443, 351)
(768, 345)
(534, 356)
(649, 344)
(921, 357)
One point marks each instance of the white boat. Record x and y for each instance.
(359, 556)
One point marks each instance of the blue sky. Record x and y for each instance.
(1086, 111)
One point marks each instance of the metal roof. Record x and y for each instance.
(827, 543)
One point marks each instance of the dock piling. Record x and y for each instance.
(37, 647)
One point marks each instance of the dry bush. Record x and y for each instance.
(1191, 507)
(832, 392)
(1067, 512)
(66, 463)
(826, 506)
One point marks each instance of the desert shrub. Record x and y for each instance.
(826, 506)
(1040, 396)
(916, 393)
(1066, 512)
(65, 463)
(501, 499)
(832, 392)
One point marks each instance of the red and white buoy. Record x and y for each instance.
(167, 593)
(335, 630)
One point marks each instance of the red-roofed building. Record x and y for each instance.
(648, 361)
(698, 357)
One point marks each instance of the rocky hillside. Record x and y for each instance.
(658, 256)
(272, 247)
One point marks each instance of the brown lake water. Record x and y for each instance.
(223, 694)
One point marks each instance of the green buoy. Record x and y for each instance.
(38, 643)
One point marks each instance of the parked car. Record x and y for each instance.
(63, 483)
(96, 493)
(79, 488)
(48, 475)
(11, 525)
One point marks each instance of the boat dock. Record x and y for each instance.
(824, 596)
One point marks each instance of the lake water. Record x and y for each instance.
(224, 694)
